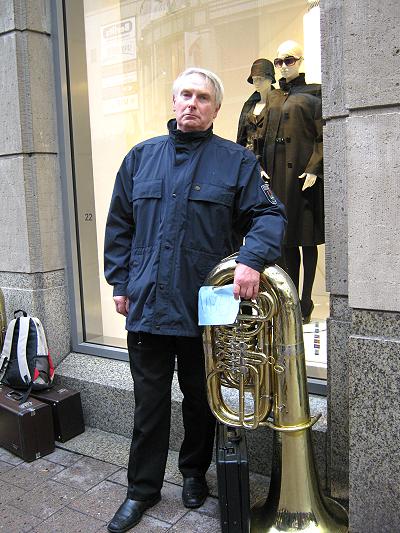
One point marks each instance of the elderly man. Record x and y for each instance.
(181, 203)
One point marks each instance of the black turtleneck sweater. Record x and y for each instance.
(186, 142)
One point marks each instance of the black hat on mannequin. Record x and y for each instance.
(262, 67)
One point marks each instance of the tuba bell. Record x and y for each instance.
(262, 357)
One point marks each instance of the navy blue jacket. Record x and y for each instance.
(181, 203)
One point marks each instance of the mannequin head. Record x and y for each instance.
(262, 84)
(262, 68)
(293, 54)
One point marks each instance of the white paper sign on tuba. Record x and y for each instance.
(217, 306)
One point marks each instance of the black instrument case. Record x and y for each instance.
(233, 479)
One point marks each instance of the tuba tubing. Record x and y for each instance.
(262, 357)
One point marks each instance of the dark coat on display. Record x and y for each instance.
(243, 126)
(251, 128)
(293, 145)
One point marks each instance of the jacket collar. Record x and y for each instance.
(287, 85)
(179, 137)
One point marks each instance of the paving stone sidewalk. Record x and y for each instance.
(68, 492)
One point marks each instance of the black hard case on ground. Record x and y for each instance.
(25, 429)
(66, 406)
(233, 479)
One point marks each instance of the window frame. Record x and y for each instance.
(69, 193)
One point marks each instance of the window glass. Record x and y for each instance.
(123, 59)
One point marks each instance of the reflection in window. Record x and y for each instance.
(134, 51)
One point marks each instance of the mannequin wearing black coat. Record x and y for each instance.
(252, 119)
(292, 158)
(251, 126)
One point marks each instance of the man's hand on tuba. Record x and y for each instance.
(246, 282)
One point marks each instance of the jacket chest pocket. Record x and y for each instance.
(146, 189)
(209, 216)
(146, 202)
(211, 194)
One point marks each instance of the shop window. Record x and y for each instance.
(123, 57)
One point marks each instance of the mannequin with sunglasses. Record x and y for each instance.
(292, 158)
(251, 126)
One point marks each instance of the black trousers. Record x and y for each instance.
(152, 362)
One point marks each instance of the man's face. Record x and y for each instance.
(194, 104)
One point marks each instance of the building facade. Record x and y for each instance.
(45, 246)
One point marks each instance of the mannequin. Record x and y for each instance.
(251, 126)
(292, 158)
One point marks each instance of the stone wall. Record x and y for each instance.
(361, 65)
(32, 238)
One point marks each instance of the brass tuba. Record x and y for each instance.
(262, 356)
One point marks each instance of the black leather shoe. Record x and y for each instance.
(130, 513)
(194, 492)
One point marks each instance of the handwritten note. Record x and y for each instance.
(217, 306)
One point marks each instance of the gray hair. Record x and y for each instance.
(209, 76)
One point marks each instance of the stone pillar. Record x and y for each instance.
(32, 261)
(335, 114)
(361, 87)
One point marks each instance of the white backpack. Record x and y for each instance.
(25, 362)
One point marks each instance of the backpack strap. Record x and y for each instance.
(42, 348)
(6, 352)
(26, 394)
(21, 349)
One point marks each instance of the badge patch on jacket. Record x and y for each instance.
(268, 193)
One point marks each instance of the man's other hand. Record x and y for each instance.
(121, 305)
(246, 282)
